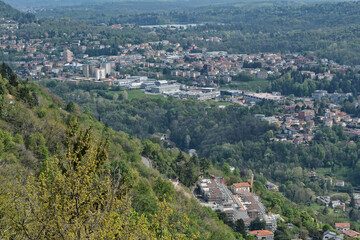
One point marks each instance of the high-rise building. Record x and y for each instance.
(86, 70)
(92, 70)
(100, 73)
(68, 56)
(107, 67)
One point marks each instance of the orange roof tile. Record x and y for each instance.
(244, 184)
(342, 225)
(351, 233)
(261, 233)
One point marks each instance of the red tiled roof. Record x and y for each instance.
(239, 185)
(342, 225)
(351, 233)
(261, 233)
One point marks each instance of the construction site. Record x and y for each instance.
(238, 203)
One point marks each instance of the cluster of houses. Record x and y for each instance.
(238, 203)
(301, 120)
(41, 58)
(335, 204)
(343, 230)
(356, 197)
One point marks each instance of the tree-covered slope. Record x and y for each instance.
(232, 136)
(45, 155)
(8, 12)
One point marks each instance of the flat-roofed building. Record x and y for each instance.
(166, 88)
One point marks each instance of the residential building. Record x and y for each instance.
(100, 73)
(271, 186)
(92, 69)
(340, 183)
(107, 67)
(351, 234)
(68, 56)
(338, 204)
(262, 234)
(307, 114)
(342, 227)
(328, 235)
(324, 199)
(238, 187)
(213, 191)
(86, 70)
(319, 94)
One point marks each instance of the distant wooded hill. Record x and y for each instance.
(8, 12)
(179, 3)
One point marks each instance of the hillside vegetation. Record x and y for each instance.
(6, 11)
(64, 174)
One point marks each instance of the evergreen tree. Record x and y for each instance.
(240, 227)
(257, 224)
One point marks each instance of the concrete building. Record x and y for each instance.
(166, 88)
(231, 93)
(212, 191)
(258, 97)
(307, 114)
(139, 79)
(68, 56)
(319, 94)
(161, 82)
(271, 221)
(86, 70)
(100, 73)
(92, 69)
(107, 67)
(200, 96)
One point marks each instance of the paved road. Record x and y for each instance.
(146, 161)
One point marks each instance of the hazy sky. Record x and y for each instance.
(41, 3)
(22, 4)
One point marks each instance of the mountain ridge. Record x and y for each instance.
(8, 12)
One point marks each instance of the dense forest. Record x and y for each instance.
(308, 28)
(164, 12)
(97, 13)
(62, 30)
